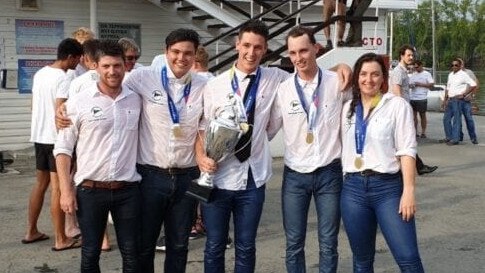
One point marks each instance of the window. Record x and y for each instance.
(28, 4)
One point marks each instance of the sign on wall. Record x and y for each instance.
(115, 31)
(26, 71)
(38, 37)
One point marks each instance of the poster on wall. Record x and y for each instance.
(38, 37)
(115, 31)
(26, 71)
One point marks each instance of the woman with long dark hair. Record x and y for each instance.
(378, 159)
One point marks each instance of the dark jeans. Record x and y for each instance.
(92, 214)
(325, 185)
(164, 202)
(246, 207)
(368, 201)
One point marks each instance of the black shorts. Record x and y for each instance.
(44, 158)
(419, 106)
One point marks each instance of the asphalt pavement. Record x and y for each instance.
(450, 219)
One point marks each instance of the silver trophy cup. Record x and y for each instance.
(221, 137)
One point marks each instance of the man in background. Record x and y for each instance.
(421, 81)
(399, 85)
(47, 83)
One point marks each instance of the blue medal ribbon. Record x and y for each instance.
(251, 97)
(311, 112)
(360, 128)
(174, 114)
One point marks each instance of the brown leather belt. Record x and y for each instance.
(106, 185)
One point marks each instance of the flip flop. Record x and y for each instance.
(42, 237)
(73, 245)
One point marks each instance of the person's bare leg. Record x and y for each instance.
(106, 245)
(57, 215)
(72, 226)
(341, 23)
(36, 202)
(424, 122)
(415, 115)
(328, 10)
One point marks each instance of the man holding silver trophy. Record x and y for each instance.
(239, 182)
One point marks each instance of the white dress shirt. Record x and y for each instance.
(83, 82)
(105, 134)
(419, 92)
(458, 83)
(232, 174)
(390, 134)
(158, 146)
(288, 112)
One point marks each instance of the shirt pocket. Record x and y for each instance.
(330, 112)
(132, 118)
(380, 128)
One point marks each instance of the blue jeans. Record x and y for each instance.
(466, 110)
(246, 207)
(368, 201)
(92, 214)
(164, 202)
(452, 120)
(325, 185)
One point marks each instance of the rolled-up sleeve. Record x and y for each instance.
(67, 137)
(405, 133)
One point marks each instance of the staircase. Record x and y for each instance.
(222, 20)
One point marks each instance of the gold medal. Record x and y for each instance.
(358, 162)
(309, 137)
(177, 131)
(244, 127)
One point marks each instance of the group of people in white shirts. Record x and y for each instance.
(139, 145)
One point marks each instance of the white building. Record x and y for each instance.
(30, 29)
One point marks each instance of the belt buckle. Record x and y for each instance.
(366, 173)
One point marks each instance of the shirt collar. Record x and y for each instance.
(172, 79)
(124, 92)
(304, 83)
(242, 75)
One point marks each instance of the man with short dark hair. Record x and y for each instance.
(399, 85)
(312, 151)
(459, 86)
(172, 107)
(47, 83)
(104, 133)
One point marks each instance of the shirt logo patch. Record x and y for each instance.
(157, 95)
(96, 112)
(295, 107)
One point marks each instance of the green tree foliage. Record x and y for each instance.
(460, 31)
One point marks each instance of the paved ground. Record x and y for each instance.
(450, 220)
